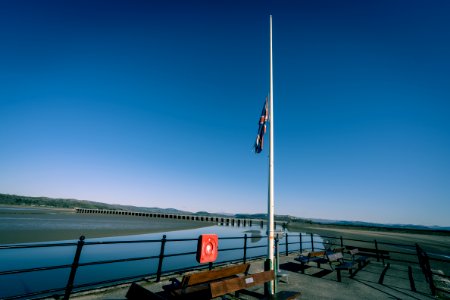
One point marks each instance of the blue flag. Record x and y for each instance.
(259, 143)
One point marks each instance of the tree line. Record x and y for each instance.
(6, 199)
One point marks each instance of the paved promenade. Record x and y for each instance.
(317, 283)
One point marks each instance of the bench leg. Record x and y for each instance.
(338, 275)
(303, 267)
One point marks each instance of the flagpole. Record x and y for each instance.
(270, 214)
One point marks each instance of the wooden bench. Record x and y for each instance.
(336, 261)
(196, 284)
(361, 260)
(215, 289)
(337, 249)
(370, 252)
(319, 257)
(231, 285)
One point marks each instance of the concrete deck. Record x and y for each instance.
(316, 283)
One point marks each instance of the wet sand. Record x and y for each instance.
(434, 242)
(43, 224)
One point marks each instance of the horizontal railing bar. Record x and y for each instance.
(181, 240)
(4, 247)
(121, 242)
(254, 247)
(103, 262)
(237, 238)
(398, 245)
(405, 261)
(180, 254)
(10, 272)
(326, 237)
(403, 253)
(356, 240)
(241, 248)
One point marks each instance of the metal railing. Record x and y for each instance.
(393, 252)
(158, 259)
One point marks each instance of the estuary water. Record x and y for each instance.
(26, 258)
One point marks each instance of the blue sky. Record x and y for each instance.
(156, 103)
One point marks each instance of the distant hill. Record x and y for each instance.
(282, 218)
(6, 199)
(380, 225)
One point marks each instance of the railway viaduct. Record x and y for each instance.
(225, 221)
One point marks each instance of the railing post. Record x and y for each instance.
(426, 268)
(376, 248)
(245, 249)
(277, 262)
(287, 245)
(161, 257)
(74, 268)
(411, 279)
(301, 242)
(342, 242)
(312, 243)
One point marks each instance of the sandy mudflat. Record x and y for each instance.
(434, 242)
(41, 225)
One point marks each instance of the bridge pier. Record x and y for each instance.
(218, 220)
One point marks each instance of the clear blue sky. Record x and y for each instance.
(156, 103)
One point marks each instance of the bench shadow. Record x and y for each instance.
(251, 294)
(322, 273)
(293, 267)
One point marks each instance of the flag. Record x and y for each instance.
(259, 143)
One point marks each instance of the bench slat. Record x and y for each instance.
(239, 283)
(216, 274)
(317, 254)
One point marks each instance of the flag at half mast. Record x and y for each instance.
(259, 143)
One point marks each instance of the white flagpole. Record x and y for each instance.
(270, 214)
